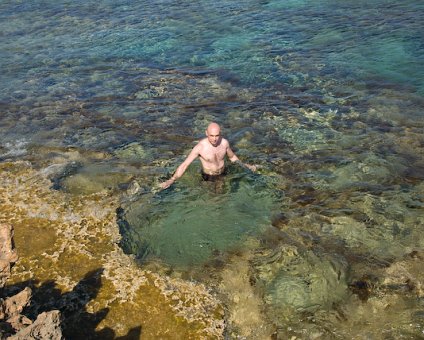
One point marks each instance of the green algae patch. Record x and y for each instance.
(69, 255)
(88, 183)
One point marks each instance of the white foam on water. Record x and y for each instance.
(15, 148)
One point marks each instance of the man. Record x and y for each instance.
(211, 151)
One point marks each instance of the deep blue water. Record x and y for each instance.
(257, 43)
(326, 55)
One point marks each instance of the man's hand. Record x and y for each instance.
(246, 166)
(251, 167)
(167, 183)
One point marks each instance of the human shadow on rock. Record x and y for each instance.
(76, 323)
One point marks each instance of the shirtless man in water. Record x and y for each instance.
(211, 151)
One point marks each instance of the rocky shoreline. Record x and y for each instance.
(71, 268)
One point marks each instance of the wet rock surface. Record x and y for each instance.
(296, 282)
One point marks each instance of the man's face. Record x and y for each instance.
(214, 136)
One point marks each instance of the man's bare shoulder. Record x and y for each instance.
(202, 143)
(225, 142)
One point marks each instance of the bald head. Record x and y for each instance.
(213, 127)
(214, 134)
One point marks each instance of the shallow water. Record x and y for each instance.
(325, 97)
(197, 223)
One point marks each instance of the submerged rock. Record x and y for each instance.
(406, 274)
(298, 282)
(132, 152)
(91, 179)
(245, 306)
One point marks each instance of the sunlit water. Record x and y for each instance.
(197, 223)
(326, 97)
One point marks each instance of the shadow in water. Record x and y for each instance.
(76, 323)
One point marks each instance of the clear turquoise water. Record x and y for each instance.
(326, 97)
(201, 222)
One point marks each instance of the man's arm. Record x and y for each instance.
(182, 168)
(234, 159)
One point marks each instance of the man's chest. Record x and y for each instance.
(213, 154)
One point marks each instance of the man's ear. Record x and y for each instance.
(206, 132)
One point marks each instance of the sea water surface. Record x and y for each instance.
(325, 97)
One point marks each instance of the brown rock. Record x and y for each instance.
(18, 322)
(47, 326)
(14, 305)
(8, 254)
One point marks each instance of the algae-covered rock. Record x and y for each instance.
(84, 183)
(93, 179)
(133, 151)
(370, 169)
(299, 282)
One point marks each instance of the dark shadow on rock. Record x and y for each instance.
(133, 334)
(76, 323)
